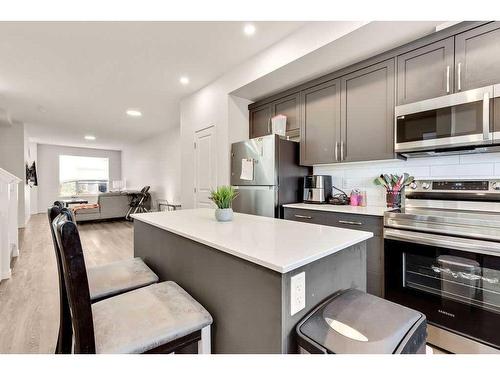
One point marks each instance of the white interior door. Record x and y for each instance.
(205, 166)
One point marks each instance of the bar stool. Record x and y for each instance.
(159, 318)
(104, 281)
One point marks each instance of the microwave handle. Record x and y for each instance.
(486, 117)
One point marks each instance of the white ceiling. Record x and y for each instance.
(68, 79)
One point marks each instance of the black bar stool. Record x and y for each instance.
(159, 318)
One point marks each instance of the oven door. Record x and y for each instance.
(456, 120)
(455, 282)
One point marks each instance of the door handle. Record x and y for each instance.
(459, 76)
(350, 222)
(447, 79)
(302, 216)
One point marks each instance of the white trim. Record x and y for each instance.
(204, 345)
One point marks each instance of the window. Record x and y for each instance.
(82, 175)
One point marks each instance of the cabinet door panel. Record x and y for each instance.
(320, 123)
(426, 72)
(260, 119)
(478, 53)
(368, 113)
(288, 106)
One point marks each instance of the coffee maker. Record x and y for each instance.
(317, 189)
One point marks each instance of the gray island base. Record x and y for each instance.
(249, 302)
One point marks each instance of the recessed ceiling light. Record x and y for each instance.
(184, 80)
(134, 113)
(249, 29)
(90, 138)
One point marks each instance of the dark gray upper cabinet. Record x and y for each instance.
(477, 57)
(288, 106)
(260, 121)
(426, 72)
(320, 124)
(367, 106)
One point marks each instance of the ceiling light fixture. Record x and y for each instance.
(184, 80)
(89, 137)
(134, 113)
(249, 29)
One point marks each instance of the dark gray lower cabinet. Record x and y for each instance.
(367, 107)
(374, 246)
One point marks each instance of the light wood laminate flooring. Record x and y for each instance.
(29, 300)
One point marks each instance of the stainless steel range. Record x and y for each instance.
(442, 257)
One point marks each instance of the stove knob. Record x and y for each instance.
(413, 185)
(426, 186)
(496, 185)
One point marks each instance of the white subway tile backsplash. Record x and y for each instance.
(463, 170)
(361, 175)
(453, 159)
(480, 158)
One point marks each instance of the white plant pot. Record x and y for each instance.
(224, 214)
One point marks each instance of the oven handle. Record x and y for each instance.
(463, 244)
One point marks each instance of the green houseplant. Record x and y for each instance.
(223, 197)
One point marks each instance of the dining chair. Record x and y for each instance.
(105, 281)
(159, 318)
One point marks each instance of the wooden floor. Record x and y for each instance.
(29, 300)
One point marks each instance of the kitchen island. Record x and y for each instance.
(241, 271)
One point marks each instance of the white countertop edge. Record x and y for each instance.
(346, 209)
(363, 236)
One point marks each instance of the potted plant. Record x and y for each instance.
(223, 197)
(394, 185)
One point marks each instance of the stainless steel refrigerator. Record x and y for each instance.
(267, 174)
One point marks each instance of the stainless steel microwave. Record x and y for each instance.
(460, 120)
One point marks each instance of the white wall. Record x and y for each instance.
(12, 160)
(211, 105)
(48, 169)
(361, 175)
(155, 162)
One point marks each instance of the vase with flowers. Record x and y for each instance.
(394, 186)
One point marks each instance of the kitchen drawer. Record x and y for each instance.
(372, 224)
(307, 216)
(367, 223)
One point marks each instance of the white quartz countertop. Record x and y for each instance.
(281, 245)
(368, 210)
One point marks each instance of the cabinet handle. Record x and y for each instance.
(269, 125)
(336, 151)
(459, 76)
(448, 79)
(303, 216)
(350, 222)
(341, 150)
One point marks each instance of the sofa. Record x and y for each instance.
(112, 205)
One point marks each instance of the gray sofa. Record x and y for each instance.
(111, 206)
